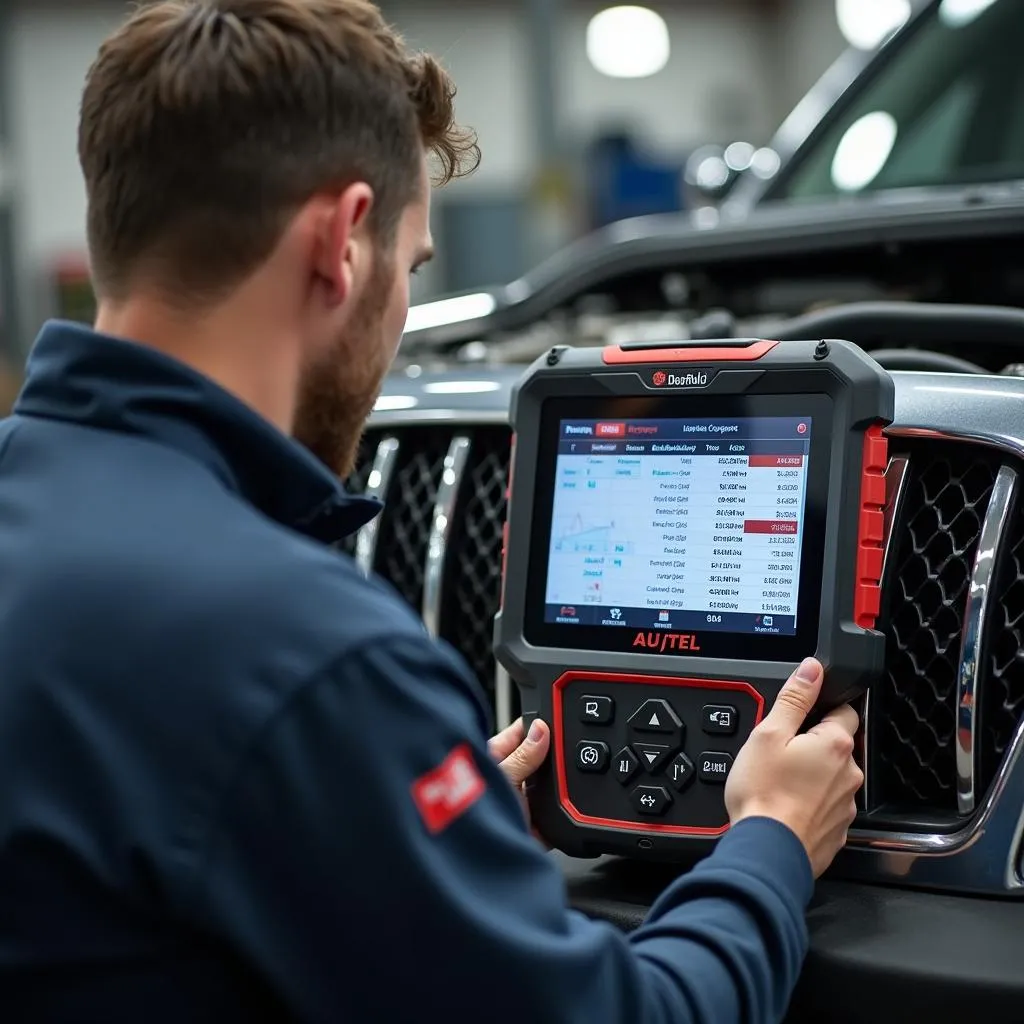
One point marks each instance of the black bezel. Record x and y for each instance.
(709, 643)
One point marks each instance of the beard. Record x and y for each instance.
(337, 392)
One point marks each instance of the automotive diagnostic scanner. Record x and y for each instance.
(686, 523)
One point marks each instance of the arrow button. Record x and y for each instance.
(651, 800)
(655, 715)
(652, 755)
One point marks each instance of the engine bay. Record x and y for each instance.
(949, 305)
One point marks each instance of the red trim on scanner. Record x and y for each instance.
(614, 355)
(867, 599)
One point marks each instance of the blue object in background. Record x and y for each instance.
(622, 181)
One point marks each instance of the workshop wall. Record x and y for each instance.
(722, 82)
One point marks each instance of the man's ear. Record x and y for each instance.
(343, 253)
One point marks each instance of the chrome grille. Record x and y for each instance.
(405, 530)
(355, 482)
(472, 584)
(471, 562)
(934, 540)
(1002, 701)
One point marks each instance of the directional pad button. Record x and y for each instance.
(655, 715)
(652, 755)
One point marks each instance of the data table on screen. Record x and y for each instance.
(678, 516)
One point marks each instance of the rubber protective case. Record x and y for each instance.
(585, 808)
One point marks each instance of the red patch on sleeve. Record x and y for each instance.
(448, 790)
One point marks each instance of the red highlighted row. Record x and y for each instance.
(774, 461)
(786, 527)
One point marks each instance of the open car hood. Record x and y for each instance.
(681, 242)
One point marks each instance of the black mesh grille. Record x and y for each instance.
(473, 562)
(935, 538)
(409, 510)
(355, 482)
(1002, 697)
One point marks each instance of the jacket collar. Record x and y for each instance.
(80, 376)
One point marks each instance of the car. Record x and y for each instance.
(912, 250)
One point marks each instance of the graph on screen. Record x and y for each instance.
(580, 536)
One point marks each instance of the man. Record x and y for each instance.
(217, 741)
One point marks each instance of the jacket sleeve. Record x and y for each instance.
(362, 891)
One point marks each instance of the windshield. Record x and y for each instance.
(946, 109)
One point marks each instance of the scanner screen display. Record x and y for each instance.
(679, 524)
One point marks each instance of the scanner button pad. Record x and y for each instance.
(652, 738)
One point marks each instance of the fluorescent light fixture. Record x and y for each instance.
(628, 42)
(868, 23)
(863, 151)
(395, 403)
(449, 311)
(461, 387)
(957, 13)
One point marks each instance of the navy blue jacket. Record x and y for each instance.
(237, 780)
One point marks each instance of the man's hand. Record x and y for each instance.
(808, 782)
(520, 756)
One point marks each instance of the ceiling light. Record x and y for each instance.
(765, 163)
(867, 23)
(461, 387)
(449, 311)
(957, 13)
(628, 42)
(712, 174)
(738, 156)
(863, 151)
(395, 403)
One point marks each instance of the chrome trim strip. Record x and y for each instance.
(982, 575)
(895, 483)
(377, 485)
(444, 512)
(449, 417)
(502, 697)
(866, 794)
(986, 848)
(1009, 445)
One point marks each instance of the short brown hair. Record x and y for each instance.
(206, 124)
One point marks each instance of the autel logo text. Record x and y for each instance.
(658, 642)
